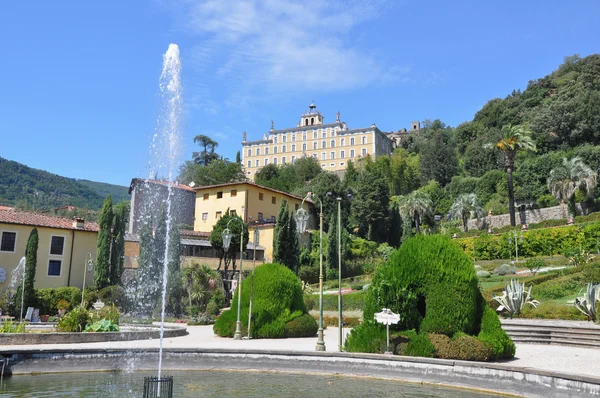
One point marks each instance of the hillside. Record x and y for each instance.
(34, 189)
(119, 192)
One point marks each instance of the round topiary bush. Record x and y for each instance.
(432, 284)
(278, 308)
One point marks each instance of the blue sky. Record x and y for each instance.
(79, 94)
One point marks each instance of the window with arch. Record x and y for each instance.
(332, 133)
(304, 136)
(284, 138)
(274, 149)
(364, 152)
(332, 154)
(332, 144)
(249, 163)
(315, 135)
(293, 147)
(257, 162)
(306, 122)
(324, 135)
(293, 137)
(324, 144)
(266, 162)
(275, 140)
(266, 150)
(304, 147)
(312, 121)
(249, 152)
(364, 139)
(283, 148)
(351, 153)
(315, 145)
(258, 151)
(343, 142)
(342, 154)
(352, 141)
(283, 160)
(275, 161)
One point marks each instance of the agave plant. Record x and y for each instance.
(587, 302)
(514, 297)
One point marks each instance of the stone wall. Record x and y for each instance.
(527, 216)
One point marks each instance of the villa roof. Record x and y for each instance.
(135, 181)
(42, 220)
(252, 185)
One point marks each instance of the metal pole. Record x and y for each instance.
(340, 318)
(320, 342)
(238, 325)
(252, 283)
(516, 250)
(85, 267)
(23, 294)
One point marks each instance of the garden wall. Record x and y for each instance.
(529, 216)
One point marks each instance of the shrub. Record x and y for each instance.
(47, 299)
(212, 308)
(74, 320)
(462, 347)
(369, 338)
(483, 274)
(277, 300)
(418, 345)
(356, 286)
(494, 337)
(505, 269)
(310, 302)
(534, 265)
(334, 320)
(302, 326)
(12, 327)
(103, 325)
(309, 273)
(63, 305)
(109, 312)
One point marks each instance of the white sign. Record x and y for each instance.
(98, 305)
(387, 317)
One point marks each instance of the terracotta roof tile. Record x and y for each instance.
(6, 208)
(187, 232)
(42, 220)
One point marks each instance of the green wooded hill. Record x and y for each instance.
(33, 189)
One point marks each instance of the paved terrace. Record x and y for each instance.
(574, 360)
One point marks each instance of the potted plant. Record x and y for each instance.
(63, 306)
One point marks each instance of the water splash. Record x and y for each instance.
(168, 141)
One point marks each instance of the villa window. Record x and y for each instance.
(233, 193)
(218, 214)
(266, 150)
(274, 150)
(283, 148)
(54, 267)
(332, 155)
(257, 151)
(275, 161)
(364, 152)
(304, 136)
(9, 241)
(206, 196)
(260, 216)
(323, 156)
(249, 152)
(257, 162)
(220, 195)
(304, 147)
(324, 135)
(352, 141)
(249, 163)
(204, 216)
(266, 162)
(273, 200)
(315, 135)
(352, 153)
(332, 145)
(283, 160)
(57, 245)
(293, 137)
(233, 213)
(261, 196)
(275, 140)
(293, 147)
(342, 154)
(323, 144)
(293, 159)
(343, 142)
(315, 145)
(284, 139)
(364, 139)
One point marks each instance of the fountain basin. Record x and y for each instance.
(43, 334)
(496, 377)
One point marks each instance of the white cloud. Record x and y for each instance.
(260, 46)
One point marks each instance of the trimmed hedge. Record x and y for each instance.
(277, 301)
(536, 242)
(494, 337)
(350, 301)
(47, 299)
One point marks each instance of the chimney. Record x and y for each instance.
(78, 222)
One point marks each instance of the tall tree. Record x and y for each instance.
(219, 171)
(417, 205)
(370, 207)
(567, 178)
(514, 139)
(464, 207)
(105, 221)
(332, 259)
(438, 159)
(207, 155)
(227, 258)
(350, 176)
(395, 232)
(30, 267)
(238, 157)
(286, 249)
(117, 255)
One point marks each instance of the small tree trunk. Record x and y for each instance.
(417, 223)
(511, 197)
(466, 223)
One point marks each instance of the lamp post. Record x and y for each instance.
(517, 236)
(88, 266)
(301, 220)
(227, 235)
(256, 237)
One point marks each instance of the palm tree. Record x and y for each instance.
(567, 178)
(417, 204)
(464, 207)
(514, 139)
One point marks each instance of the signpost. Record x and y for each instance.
(387, 317)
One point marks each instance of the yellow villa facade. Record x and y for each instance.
(62, 250)
(257, 205)
(331, 144)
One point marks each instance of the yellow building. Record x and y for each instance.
(62, 252)
(257, 205)
(331, 144)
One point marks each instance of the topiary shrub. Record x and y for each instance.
(494, 337)
(431, 282)
(302, 326)
(277, 301)
(505, 269)
(462, 346)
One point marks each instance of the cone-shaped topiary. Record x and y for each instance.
(278, 308)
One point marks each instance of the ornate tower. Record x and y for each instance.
(311, 117)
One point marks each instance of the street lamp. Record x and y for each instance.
(256, 238)
(301, 220)
(516, 236)
(227, 235)
(340, 317)
(88, 266)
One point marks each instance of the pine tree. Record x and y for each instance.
(30, 266)
(117, 255)
(102, 271)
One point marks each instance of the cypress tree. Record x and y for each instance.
(174, 283)
(395, 232)
(118, 244)
(30, 266)
(280, 235)
(102, 271)
(332, 249)
(293, 250)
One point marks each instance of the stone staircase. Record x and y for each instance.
(580, 334)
